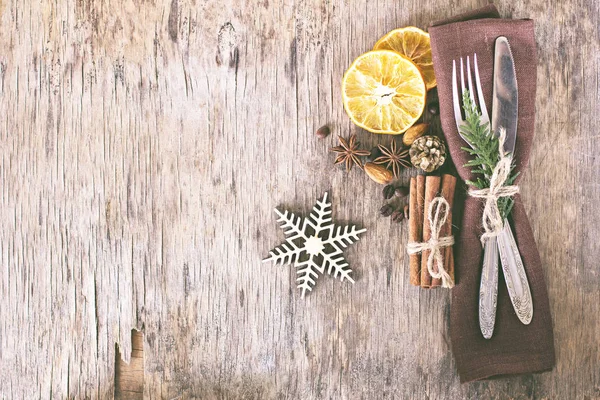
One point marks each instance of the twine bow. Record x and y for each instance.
(437, 215)
(492, 220)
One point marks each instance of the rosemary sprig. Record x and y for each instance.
(484, 151)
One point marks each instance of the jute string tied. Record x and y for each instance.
(437, 215)
(492, 220)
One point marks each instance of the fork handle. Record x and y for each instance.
(488, 288)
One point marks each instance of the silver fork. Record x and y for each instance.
(488, 288)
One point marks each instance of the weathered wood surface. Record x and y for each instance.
(143, 147)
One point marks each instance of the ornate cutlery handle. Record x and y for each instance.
(488, 289)
(514, 274)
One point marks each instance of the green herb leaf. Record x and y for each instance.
(484, 152)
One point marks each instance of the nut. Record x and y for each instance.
(406, 211)
(389, 191)
(402, 191)
(414, 132)
(323, 132)
(434, 108)
(375, 154)
(378, 173)
(397, 216)
(386, 210)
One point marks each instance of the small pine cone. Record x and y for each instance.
(402, 191)
(386, 210)
(388, 192)
(428, 153)
(397, 216)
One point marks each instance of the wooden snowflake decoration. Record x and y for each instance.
(314, 244)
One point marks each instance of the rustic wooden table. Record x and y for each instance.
(143, 146)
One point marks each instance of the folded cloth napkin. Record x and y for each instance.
(514, 348)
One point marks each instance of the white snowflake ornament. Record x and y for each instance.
(314, 244)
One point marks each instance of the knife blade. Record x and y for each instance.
(505, 115)
(505, 97)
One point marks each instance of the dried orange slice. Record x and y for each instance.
(413, 43)
(383, 92)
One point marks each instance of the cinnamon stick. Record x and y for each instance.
(432, 187)
(415, 225)
(447, 192)
(450, 269)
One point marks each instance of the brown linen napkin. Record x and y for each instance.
(514, 348)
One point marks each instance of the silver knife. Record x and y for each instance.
(505, 115)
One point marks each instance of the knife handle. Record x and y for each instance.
(514, 275)
(488, 288)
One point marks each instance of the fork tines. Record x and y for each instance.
(455, 96)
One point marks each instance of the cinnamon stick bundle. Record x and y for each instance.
(422, 191)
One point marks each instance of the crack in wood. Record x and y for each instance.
(129, 378)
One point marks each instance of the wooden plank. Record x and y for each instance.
(143, 146)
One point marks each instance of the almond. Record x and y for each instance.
(378, 173)
(414, 132)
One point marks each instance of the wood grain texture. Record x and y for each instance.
(143, 146)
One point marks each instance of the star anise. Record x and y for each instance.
(348, 152)
(394, 158)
